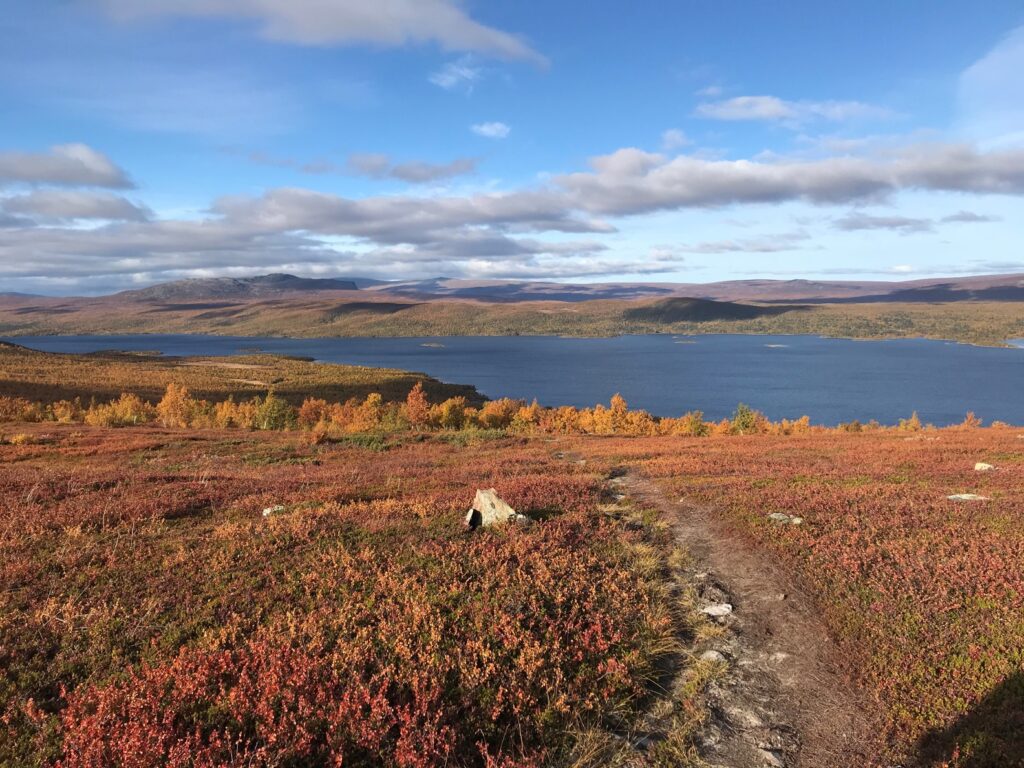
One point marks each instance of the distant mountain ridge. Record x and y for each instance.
(980, 310)
(981, 287)
(261, 286)
(1000, 288)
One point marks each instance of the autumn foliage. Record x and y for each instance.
(178, 409)
(152, 615)
(924, 594)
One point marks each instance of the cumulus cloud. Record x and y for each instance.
(674, 138)
(345, 22)
(785, 241)
(65, 164)
(64, 205)
(969, 217)
(375, 165)
(794, 113)
(493, 130)
(552, 229)
(632, 181)
(903, 224)
(462, 74)
(906, 225)
(380, 166)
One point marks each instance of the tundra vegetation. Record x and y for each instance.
(923, 594)
(262, 580)
(976, 322)
(152, 614)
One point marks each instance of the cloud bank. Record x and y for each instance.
(345, 22)
(65, 164)
(555, 229)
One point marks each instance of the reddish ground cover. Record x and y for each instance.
(924, 594)
(150, 614)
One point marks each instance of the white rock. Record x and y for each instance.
(717, 610)
(489, 509)
(744, 718)
(274, 510)
(783, 518)
(967, 497)
(772, 758)
(713, 656)
(981, 466)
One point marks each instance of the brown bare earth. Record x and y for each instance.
(784, 701)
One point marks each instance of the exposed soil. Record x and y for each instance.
(783, 701)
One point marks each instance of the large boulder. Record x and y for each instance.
(489, 509)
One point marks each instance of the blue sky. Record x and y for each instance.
(146, 140)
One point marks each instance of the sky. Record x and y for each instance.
(671, 140)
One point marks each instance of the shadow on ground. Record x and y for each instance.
(990, 735)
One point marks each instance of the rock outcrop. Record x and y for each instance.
(489, 509)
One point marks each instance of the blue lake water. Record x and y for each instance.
(830, 380)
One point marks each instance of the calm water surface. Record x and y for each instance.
(830, 380)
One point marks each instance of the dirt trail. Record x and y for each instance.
(783, 702)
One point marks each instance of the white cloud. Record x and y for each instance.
(990, 94)
(374, 165)
(345, 22)
(493, 130)
(905, 225)
(380, 166)
(785, 241)
(710, 92)
(969, 217)
(631, 181)
(59, 205)
(462, 74)
(674, 138)
(65, 164)
(554, 229)
(792, 113)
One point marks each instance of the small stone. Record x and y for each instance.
(772, 758)
(717, 610)
(777, 657)
(743, 718)
(274, 510)
(967, 497)
(981, 466)
(713, 656)
(796, 521)
(779, 517)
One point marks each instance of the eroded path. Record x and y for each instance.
(783, 701)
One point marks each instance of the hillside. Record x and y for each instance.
(687, 310)
(317, 314)
(977, 310)
(48, 377)
(981, 287)
(233, 288)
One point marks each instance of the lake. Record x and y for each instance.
(830, 380)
